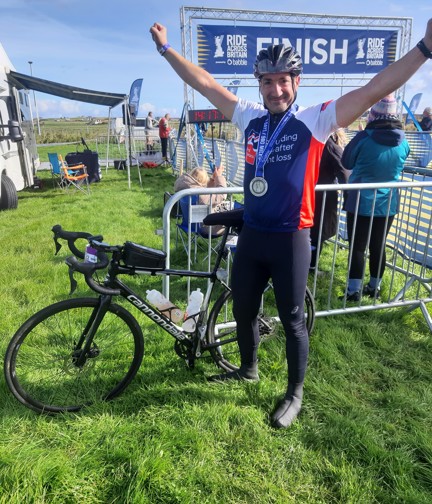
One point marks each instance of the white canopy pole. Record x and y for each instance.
(108, 138)
(127, 137)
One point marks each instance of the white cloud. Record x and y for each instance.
(50, 108)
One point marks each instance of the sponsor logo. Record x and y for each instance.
(374, 52)
(251, 148)
(236, 49)
(360, 48)
(219, 52)
(154, 316)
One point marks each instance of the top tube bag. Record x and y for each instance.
(143, 257)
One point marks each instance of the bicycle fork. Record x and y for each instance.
(83, 349)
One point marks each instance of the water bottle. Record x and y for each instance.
(90, 255)
(170, 310)
(193, 308)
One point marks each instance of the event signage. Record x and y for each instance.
(206, 115)
(226, 50)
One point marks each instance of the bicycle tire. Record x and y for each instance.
(39, 362)
(222, 328)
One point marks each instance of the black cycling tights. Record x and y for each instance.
(285, 258)
(378, 233)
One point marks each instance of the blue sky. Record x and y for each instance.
(105, 46)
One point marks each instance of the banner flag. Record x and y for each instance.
(134, 94)
(414, 103)
(204, 147)
(233, 86)
(411, 116)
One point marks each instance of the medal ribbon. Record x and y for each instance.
(264, 147)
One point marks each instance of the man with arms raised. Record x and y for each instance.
(283, 146)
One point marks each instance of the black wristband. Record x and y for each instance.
(425, 51)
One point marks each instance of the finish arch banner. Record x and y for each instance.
(228, 50)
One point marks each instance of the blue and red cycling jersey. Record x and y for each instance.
(291, 169)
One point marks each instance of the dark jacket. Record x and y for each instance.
(331, 171)
(426, 124)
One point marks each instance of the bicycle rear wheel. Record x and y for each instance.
(41, 360)
(222, 329)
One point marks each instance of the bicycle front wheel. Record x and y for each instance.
(41, 362)
(222, 328)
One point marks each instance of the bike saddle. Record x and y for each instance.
(229, 218)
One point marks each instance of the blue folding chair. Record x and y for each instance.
(69, 177)
(188, 228)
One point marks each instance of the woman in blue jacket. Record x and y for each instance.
(376, 154)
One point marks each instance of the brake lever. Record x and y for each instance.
(73, 282)
(58, 245)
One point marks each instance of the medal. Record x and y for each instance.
(258, 186)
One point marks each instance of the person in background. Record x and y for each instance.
(376, 154)
(331, 171)
(283, 147)
(150, 128)
(198, 178)
(164, 131)
(426, 122)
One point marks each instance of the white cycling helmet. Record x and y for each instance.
(278, 59)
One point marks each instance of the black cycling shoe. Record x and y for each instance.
(354, 296)
(371, 292)
(246, 372)
(288, 409)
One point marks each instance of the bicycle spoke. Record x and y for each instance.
(222, 328)
(49, 372)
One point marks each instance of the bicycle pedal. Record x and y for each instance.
(190, 363)
(264, 327)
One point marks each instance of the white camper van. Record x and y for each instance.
(18, 153)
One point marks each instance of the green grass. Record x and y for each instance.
(364, 434)
(116, 151)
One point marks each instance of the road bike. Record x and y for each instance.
(84, 350)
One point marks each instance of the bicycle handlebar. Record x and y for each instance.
(71, 237)
(88, 269)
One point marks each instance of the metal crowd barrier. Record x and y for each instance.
(407, 278)
(231, 153)
(196, 215)
(407, 274)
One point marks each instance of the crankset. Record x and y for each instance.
(185, 353)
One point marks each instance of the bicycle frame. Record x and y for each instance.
(188, 345)
(190, 340)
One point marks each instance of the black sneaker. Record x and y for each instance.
(371, 292)
(354, 296)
